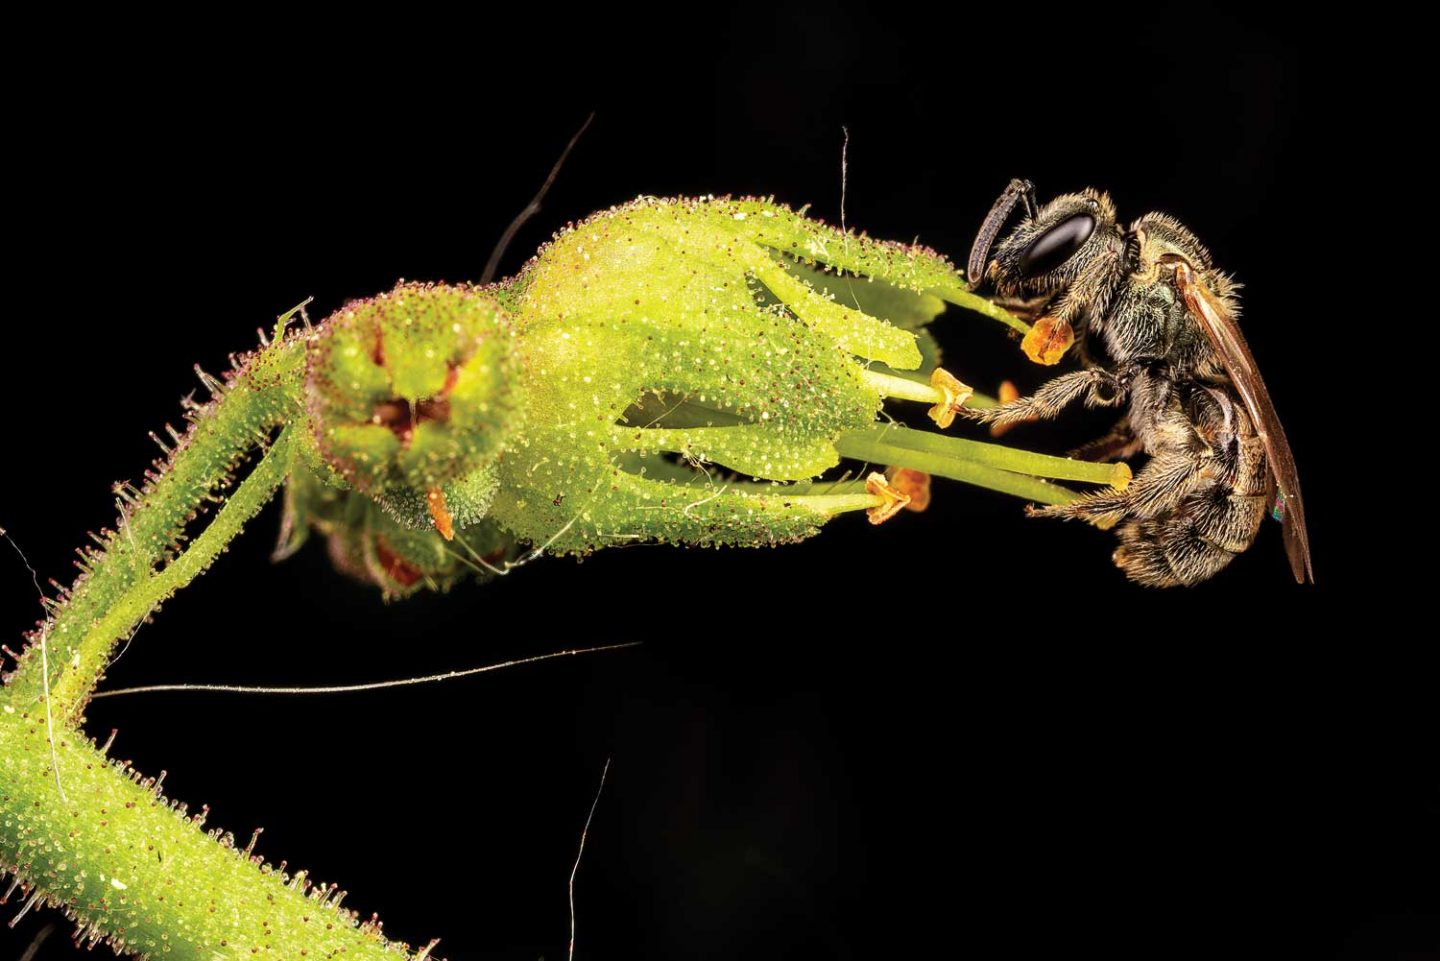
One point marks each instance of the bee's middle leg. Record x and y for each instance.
(1119, 444)
(1096, 386)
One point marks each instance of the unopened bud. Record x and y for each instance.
(414, 388)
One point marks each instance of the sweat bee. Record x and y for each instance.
(1173, 355)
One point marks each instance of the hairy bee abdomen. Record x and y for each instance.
(1218, 517)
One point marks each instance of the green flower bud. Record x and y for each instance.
(413, 389)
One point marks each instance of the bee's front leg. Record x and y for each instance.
(1096, 386)
(1026, 308)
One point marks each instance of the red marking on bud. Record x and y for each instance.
(395, 414)
(396, 567)
(402, 419)
(432, 408)
(377, 353)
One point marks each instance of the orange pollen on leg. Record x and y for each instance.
(440, 514)
(1048, 340)
(396, 567)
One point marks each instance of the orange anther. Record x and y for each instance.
(955, 395)
(1008, 392)
(894, 502)
(914, 484)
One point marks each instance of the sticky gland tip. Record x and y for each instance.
(440, 513)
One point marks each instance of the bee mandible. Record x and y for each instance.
(1149, 297)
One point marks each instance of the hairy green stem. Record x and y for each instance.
(127, 865)
(145, 596)
(121, 586)
(136, 870)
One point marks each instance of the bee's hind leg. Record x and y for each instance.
(1165, 481)
(1097, 387)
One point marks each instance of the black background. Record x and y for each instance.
(963, 732)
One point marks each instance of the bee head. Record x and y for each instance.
(1049, 248)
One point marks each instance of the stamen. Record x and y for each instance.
(945, 392)
(893, 501)
(953, 397)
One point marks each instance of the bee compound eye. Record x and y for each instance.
(1056, 245)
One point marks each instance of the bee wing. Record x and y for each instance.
(1224, 335)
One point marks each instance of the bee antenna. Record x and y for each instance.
(980, 253)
